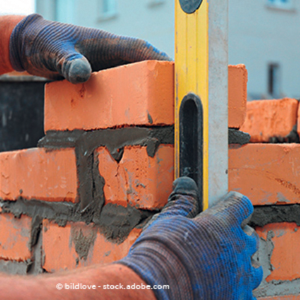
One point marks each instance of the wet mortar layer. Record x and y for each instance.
(264, 215)
(108, 220)
(236, 136)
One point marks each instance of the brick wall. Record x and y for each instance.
(105, 165)
(267, 171)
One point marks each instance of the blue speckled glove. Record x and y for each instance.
(55, 50)
(205, 256)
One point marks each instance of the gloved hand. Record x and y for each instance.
(205, 256)
(55, 50)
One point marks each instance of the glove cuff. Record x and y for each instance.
(17, 43)
(161, 268)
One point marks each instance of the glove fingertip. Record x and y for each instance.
(79, 71)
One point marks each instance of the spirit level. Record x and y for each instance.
(201, 92)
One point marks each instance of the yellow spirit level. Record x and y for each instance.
(201, 92)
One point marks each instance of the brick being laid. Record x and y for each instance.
(38, 174)
(137, 179)
(78, 244)
(140, 94)
(136, 94)
(265, 173)
(270, 118)
(15, 237)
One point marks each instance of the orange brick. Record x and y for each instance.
(138, 179)
(38, 174)
(269, 118)
(60, 245)
(285, 257)
(237, 95)
(135, 94)
(266, 173)
(14, 237)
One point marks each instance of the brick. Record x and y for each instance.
(15, 237)
(269, 118)
(266, 173)
(63, 246)
(39, 174)
(138, 180)
(135, 94)
(120, 97)
(237, 95)
(285, 259)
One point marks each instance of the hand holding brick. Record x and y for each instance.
(55, 50)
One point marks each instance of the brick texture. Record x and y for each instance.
(118, 97)
(237, 95)
(38, 174)
(78, 244)
(15, 237)
(266, 173)
(135, 94)
(269, 118)
(285, 259)
(138, 179)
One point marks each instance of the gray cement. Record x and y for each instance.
(264, 215)
(238, 137)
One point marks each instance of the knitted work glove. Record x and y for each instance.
(55, 50)
(205, 256)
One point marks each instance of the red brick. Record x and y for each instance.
(38, 174)
(138, 180)
(269, 118)
(15, 237)
(135, 94)
(59, 246)
(285, 257)
(266, 173)
(237, 95)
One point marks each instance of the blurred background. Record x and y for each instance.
(263, 34)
